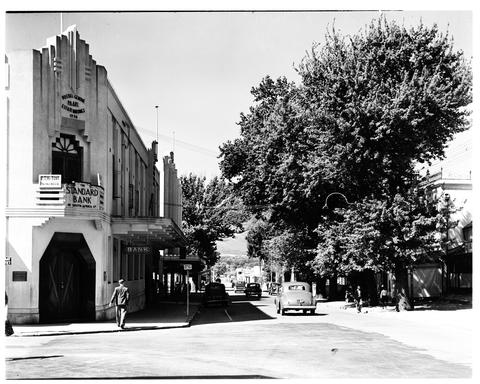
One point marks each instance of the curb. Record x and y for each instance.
(131, 329)
(185, 324)
(194, 315)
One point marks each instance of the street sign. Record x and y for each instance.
(187, 267)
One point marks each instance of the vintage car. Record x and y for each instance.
(295, 296)
(215, 293)
(253, 289)
(273, 288)
(239, 286)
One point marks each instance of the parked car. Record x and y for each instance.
(253, 289)
(215, 293)
(239, 286)
(295, 296)
(273, 288)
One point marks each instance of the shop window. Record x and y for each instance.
(136, 257)
(123, 266)
(142, 266)
(116, 267)
(130, 270)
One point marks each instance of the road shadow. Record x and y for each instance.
(287, 313)
(239, 310)
(165, 313)
(442, 306)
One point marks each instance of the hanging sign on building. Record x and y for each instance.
(138, 250)
(50, 181)
(84, 195)
(73, 106)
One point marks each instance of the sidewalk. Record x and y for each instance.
(163, 315)
(443, 330)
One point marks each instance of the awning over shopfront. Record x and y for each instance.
(160, 232)
(176, 264)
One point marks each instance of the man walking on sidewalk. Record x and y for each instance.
(120, 297)
(358, 299)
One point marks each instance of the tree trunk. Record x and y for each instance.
(403, 301)
(369, 285)
(333, 294)
(321, 287)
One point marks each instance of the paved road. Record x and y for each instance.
(246, 340)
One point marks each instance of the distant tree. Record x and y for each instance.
(208, 215)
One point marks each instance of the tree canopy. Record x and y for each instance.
(368, 108)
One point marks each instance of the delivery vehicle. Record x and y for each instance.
(239, 286)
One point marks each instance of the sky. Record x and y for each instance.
(199, 67)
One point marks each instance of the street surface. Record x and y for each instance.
(247, 340)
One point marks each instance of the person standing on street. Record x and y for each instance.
(8, 325)
(383, 297)
(358, 297)
(120, 297)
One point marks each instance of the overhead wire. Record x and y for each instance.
(184, 144)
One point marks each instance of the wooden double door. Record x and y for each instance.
(66, 285)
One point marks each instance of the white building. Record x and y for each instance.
(85, 203)
(450, 180)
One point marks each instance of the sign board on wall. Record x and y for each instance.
(50, 181)
(138, 250)
(84, 195)
(73, 106)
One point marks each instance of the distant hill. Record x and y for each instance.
(236, 246)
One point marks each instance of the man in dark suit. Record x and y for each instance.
(120, 297)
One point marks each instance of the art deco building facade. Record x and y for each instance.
(85, 202)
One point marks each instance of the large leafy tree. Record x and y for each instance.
(369, 107)
(382, 101)
(210, 213)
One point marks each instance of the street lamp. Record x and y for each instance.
(335, 193)
(446, 214)
(324, 207)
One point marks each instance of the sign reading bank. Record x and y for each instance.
(73, 106)
(84, 195)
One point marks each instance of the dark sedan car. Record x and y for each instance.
(253, 289)
(215, 294)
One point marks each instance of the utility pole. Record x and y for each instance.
(156, 107)
(188, 293)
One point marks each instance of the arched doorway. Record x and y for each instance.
(67, 280)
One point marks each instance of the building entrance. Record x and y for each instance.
(67, 280)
